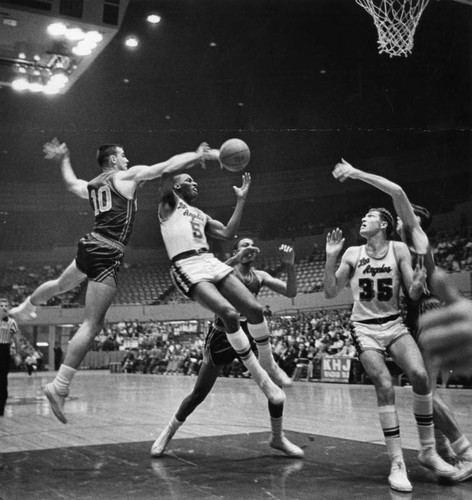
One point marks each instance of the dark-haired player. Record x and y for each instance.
(219, 352)
(413, 220)
(199, 275)
(112, 195)
(376, 271)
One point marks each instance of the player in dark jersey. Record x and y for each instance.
(219, 352)
(413, 221)
(112, 195)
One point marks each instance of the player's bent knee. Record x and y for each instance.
(418, 378)
(230, 318)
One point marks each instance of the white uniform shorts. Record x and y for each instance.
(377, 337)
(204, 267)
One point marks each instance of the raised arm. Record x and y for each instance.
(288, 288)
(343, 171)
(336, 279)
(414, 281)
(226, 232)
(242, 255)
(54, 150)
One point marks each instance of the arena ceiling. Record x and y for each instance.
(300, 80)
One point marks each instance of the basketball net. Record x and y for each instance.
(396, 22)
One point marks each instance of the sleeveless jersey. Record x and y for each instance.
(184, 229)
(375, 286)
(252, 282)
(114, 213)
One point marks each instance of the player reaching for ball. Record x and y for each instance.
(112, 195)
(199, 275)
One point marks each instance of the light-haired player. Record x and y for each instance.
(112, 195)
(376, 271)
(218, 351)
(412, 222)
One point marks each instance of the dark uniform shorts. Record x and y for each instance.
(218, 351)
(99, 258)
(415, 311)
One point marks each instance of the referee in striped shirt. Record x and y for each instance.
(8, 329)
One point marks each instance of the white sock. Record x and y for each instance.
(174, 424)
(423, 410)
(261, 334)
(29, 307)
(63, 379)
(391, 430)
(462, 447)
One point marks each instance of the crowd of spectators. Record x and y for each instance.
(452, 249)
(299, 340)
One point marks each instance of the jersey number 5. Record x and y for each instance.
(196, 231)
(384, 289)
(101, 200)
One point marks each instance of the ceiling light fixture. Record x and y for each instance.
(57, 29)
(131, 41)
(75, 34)
(20, 84)
(153, 19)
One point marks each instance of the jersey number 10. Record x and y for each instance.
(101, 199)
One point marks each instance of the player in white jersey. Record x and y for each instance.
(198, 274)
(412, 222)
(376, 271)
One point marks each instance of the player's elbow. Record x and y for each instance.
(225, 235)
(398, 193)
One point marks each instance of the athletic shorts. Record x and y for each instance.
(99, 258)
(204, 267)
(377, 337)
(218, 351)
(416, 309)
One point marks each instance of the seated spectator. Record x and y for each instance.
(348, 349)
(336, 345)
(326, 342)
(128, 363)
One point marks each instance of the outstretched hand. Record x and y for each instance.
(242, 191)
(246, 254)
(446, 333)
(334, 242)
(287, 254)
(55, 150)
(207, 153)
(419, 276)
(343, 171)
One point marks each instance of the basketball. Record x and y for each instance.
(234, 155)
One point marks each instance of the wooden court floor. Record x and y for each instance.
(221, 452)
